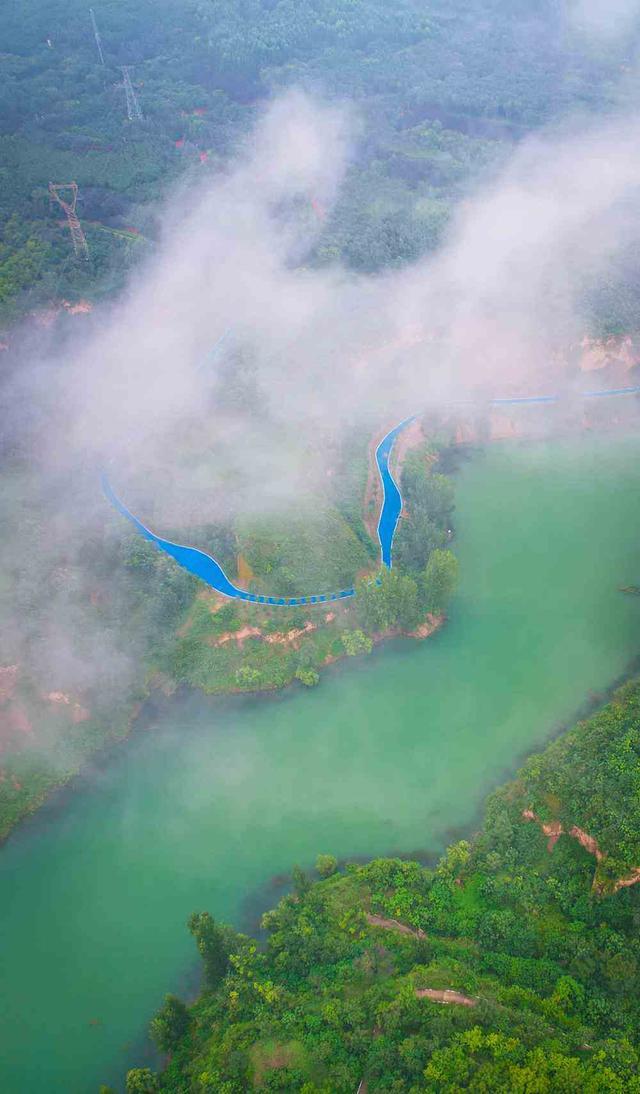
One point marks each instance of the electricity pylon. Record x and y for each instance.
(96, 35)
(134, 112)
(77, 235)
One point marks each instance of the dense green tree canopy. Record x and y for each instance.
(443, 90)
(543, 967)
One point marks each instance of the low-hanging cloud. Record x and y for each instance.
(604, 19)
(487, 311)
(325, 350)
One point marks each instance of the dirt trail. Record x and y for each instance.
(446, 996)
(8, 681)
(393, 925)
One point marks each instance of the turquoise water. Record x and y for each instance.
(391, 753)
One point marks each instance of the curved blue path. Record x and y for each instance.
(392, 498)
(559, 398)
(207, 569)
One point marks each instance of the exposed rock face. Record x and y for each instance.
(8, 681)
(77, 711)
(277, 638)
(554, 829)
(424, 630)
(617, 351)
(15, 725)
(466, 433)
(501, 427)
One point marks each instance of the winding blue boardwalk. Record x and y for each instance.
(392, 498)
(207, 569)
(522, 399)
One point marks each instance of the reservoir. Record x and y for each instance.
(393, 753)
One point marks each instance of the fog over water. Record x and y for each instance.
(306, 352)
(391, 754)
(224, 383)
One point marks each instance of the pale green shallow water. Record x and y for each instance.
(389, 754)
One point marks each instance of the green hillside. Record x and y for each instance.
(508, 967)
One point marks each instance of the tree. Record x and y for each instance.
(142, 1080)
(391, 601)
(455, 859)
(356, 642)
(568, 994)
(440, 579)
(170, 1023)
(301, 882)
(307, 676)
(417, 538)
(428, 497)
(214, 946)
(326, 865)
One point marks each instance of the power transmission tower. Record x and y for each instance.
(134, 112)
(77, 235)
(96, 35)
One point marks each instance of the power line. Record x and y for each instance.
(96, 35)
(77, 235)
(134, 112)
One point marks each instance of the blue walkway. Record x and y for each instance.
(392, 498)
(207, 569)
(560, 398)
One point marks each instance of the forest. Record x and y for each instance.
(512, 964)
(444, 91)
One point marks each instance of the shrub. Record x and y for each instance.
(246, 677)
(356, 642)
(142, 1080)
(308, 677)
(170, 1023)
(326, 865)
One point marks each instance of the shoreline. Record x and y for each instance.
(149, 690)
(264, 897)
(254, 898)
(157, 699)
